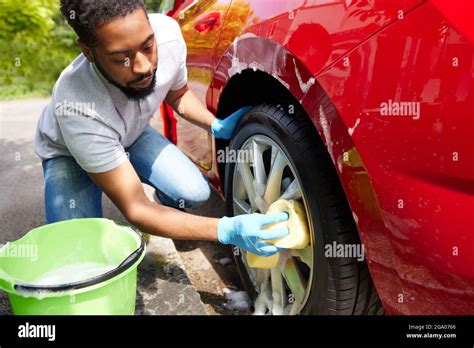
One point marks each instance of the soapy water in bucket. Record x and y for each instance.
(93, 258)
(73, 273)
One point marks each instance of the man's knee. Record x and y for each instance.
(198, 195)
(186, 196)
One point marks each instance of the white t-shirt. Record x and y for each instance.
(92, 120)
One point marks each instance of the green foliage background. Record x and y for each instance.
(36, 44)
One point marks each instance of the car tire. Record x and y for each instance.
(340, 286)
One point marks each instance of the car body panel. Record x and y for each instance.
(409, 179)
(200, 25)
(423, 187)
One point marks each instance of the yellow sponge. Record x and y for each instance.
(255, 261)
(297, 223)
(298, 238)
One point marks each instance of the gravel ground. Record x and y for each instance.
(211, 266)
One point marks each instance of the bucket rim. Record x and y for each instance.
(127, 263)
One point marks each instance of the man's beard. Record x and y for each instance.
(131, 93)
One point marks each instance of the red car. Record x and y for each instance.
(363, 111)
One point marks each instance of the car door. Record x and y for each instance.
(200, 22)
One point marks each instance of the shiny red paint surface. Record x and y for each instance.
(409, 179)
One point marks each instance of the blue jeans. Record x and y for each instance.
(70, 193)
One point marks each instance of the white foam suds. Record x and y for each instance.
(38, 295)
(237, 300)
(224, 261)
(326, 131)
(352, 129)
(304, 86)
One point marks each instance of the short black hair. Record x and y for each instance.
(85, 15)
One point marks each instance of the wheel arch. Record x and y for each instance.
(255, 70)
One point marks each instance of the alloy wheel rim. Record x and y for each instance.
(264, 176)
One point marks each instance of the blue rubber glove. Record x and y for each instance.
(245, 232)
(223, 129)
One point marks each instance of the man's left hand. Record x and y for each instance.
(223, 129)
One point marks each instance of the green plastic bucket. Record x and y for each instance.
(68, 246)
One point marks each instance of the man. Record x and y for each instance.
(94, 136)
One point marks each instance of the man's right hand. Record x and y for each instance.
(245, 232)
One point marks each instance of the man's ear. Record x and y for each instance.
(87, 51)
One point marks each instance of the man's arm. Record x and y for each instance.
(124, 188)
(188, 106)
